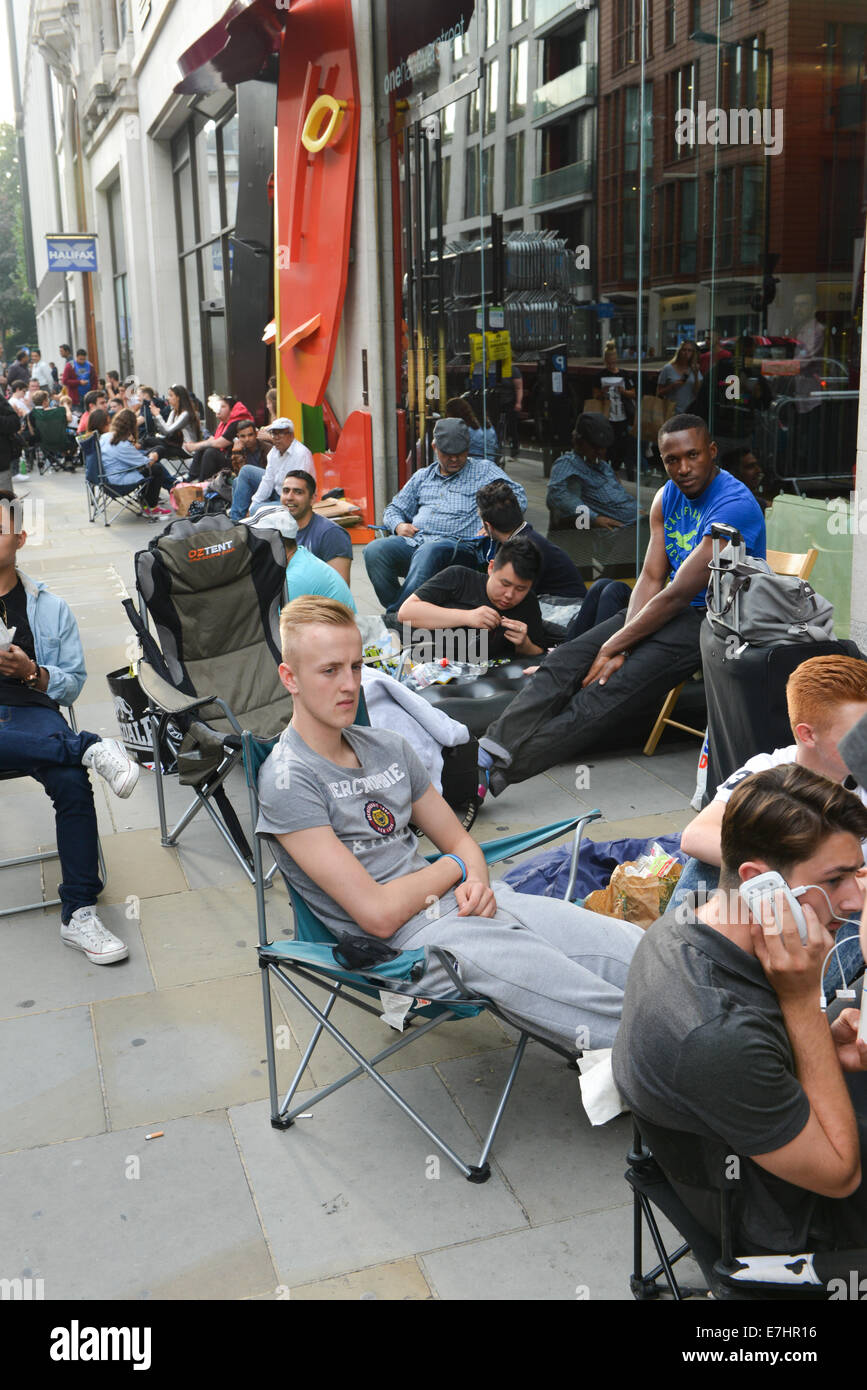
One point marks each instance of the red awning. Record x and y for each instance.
(235, 49)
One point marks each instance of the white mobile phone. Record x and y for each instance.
(862, 1026)
(763, 889)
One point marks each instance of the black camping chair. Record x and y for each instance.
(661, 1157)
(213, 591)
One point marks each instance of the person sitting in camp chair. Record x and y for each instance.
(336, 801)
(724, 1040)
(42, 667)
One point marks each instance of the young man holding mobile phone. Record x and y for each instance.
(724, 1041)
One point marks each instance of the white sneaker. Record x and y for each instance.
(110, 760)
(86, 933)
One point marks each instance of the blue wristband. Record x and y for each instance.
(459, 861)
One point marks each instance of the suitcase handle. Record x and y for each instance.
(721, 532)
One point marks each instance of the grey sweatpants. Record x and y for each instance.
(548, 964)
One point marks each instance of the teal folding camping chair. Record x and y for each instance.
(317, 957)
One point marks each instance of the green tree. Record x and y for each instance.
(17, 309)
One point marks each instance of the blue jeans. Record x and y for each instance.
(245, 485)
(38, 742)
(158, 477)
(604, 598)
(394, 557)
(703, 879)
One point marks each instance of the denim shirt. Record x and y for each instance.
(575, 483)
(56, 641)
(443, 506)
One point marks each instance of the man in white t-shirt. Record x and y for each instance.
(826, 697)
(258, 487)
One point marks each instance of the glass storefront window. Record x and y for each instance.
(207, 166)
(614, 201)
(229, 144)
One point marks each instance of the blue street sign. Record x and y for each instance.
(605, 311)
(71, 252)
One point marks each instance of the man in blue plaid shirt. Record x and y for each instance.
(434, 518)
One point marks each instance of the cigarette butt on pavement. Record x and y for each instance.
(157, 1134)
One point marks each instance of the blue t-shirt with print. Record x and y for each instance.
(686, 521)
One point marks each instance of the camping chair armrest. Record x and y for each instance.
(393, 975)
(497, 850)
(165, 696)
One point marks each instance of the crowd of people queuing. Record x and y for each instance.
(714, 1013)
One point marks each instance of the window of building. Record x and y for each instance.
(517, 80)
(492, 91)
(841, 220)
(725, 218)
(117, 247)
(726, 9)
(670, 22)
(682, 96)
(205, 164)
(446, 163)
(754, 83)
(478, 181)
(627, 27)
(515, 170)
(664, 241)
(471, 182)
(752, 214)
(518, 12)
(123, 19)
(473, 112)
(688, 232)
(493, 12)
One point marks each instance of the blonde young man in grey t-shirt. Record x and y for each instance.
(336, 802)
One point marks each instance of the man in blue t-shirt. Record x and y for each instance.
(601, 680)
(325, 539)
(305, 573)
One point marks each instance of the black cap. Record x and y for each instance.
(594, 427)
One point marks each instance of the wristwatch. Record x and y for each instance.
(33, 680)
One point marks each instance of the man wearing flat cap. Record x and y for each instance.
(433, 519)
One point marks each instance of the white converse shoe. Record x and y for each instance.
(86, 933)
(110, 760)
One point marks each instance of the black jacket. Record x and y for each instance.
(10, 438)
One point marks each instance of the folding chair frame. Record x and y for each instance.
(282, 1117)
(273, 962)
(225, 820)
(728, 1277)
(99, 495)
(44, 855)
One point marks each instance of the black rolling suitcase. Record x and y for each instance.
(745, 686)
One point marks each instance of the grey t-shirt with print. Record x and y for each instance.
(368, 808)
